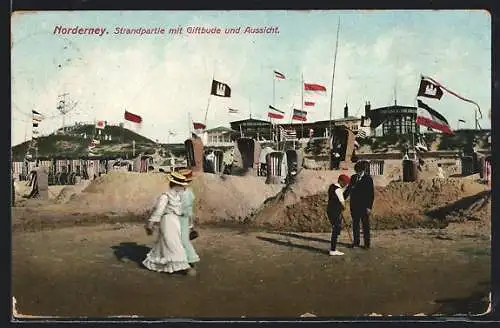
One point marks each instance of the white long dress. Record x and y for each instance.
(168, 253)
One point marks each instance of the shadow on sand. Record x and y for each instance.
(309, 238)
(478, 200)
(289, 243)
(131, 251)
(474, 304)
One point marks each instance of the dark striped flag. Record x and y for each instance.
(299, 115)
(232, 110)
(361, 134)
(275, 113)
(429, 117)
(279, 75)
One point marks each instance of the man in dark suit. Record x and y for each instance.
(361, 192)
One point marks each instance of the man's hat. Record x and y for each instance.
(344, 178)
(178, 179)
(187, 173)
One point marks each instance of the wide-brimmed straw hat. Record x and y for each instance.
(178, 179)
(187, 173)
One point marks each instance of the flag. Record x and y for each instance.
(314, 87)
(199, 126)
(132, 117)
(429, 89)
(299, 115)
(429, 117)
(309, 103)
(279, 75)
(287, 134)
(37, 116)
(232, 110)
(361, 134)
(275, 113)
(220, 89)
(436, 83)
(461, 121)
(100, 124)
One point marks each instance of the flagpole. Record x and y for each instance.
(333, 78)
(302, 103)
(250, 106)
(209, 96)
(206, 111)
(190, 123)
(274, 105)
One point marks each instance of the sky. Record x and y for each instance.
(166, 79)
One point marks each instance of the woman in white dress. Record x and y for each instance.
(168, 254)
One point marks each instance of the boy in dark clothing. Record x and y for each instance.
(335, 207)
(362, 194)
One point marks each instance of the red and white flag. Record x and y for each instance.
(100, 125)
(198, 126)
(279, 75)
(309, 103)
(132, 117)
(314, 88)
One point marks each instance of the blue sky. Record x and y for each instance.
(164, 78)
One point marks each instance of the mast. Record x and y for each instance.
(302, 102)
(209, 96)
(271, 127)
(208, 104)
(333, 79)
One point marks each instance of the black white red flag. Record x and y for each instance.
(299, 115)
(220, 89)
(279, 75)
(429, 117)
(275, 113)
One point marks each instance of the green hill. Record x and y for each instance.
(74, 143)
